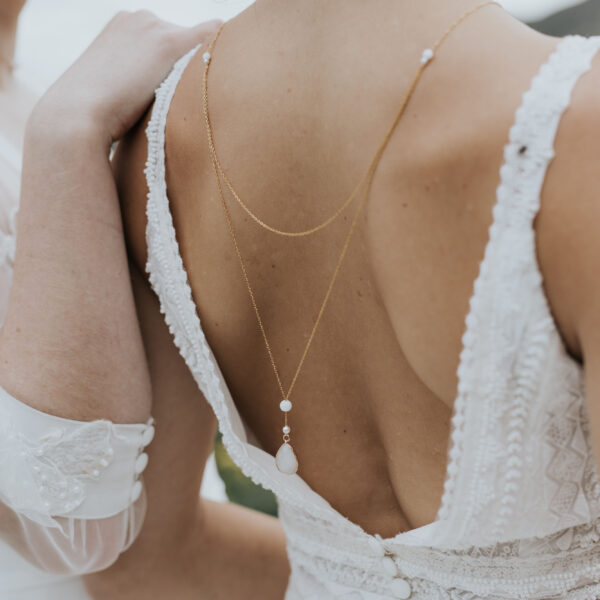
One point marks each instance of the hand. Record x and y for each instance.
(111, 85)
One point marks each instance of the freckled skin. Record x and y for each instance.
(376, 394)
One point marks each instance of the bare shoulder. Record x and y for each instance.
(568, 225)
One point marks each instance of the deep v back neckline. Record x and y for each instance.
(169, 279)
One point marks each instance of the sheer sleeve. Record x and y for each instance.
(71, 493)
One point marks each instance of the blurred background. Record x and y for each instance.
(53, 33)
(44, 51)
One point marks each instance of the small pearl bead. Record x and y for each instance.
(141, 463)
(206, 57)
(136, 491)
(389, 566)
(285, 405)
(427, 56)
(401, 588)
(286, 429)
(147, 436)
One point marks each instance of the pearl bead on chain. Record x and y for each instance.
(427, 56)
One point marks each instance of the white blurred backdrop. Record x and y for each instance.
(54, 32)
(536, 10)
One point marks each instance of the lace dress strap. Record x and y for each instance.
(512, 350)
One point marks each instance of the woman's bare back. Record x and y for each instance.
(298, 109)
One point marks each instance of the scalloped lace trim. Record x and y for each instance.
(541, 568)
(511, 337)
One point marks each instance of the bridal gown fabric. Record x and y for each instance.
(70, 498)
(520, 514)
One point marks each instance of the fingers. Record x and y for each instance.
(113, 82)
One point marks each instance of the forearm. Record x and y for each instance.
(71, 344)
(247, 554)
(188, 547)
(228, 552)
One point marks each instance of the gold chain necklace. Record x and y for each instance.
(286, 459)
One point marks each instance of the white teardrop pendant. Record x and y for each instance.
(286, 460)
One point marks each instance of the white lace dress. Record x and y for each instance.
(521, 507)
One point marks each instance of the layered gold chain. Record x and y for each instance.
(365, 183)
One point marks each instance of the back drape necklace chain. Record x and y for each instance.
(286, 459)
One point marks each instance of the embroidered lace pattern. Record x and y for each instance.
(557, 565)
(71, 497)
(529, 414)
(521, 507)
(56, 466)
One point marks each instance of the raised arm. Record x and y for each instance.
(75, 393)
(189, 548)
(71, 344)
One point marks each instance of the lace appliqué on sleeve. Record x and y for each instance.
(47, 476)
